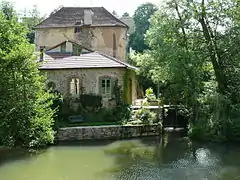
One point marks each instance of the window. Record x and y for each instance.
(63, 47)
(75, 86)
(76, 50)
(106, 87)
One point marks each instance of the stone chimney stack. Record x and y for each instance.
(41, 53)
(88, 16)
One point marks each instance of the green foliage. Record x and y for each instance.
(7, 9)
(141, 20)
(90, 107)
(194, 54)
(122, 110)
(30, 19)
(91, 102)
(25, 107)
(57, 106)
(126, 90)
(145, 116)
(149, 94)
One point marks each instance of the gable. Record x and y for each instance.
(68, 47)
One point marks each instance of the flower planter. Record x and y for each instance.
(153, 102)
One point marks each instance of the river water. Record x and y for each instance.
(139, 159)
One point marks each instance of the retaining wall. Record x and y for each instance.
(107, 132)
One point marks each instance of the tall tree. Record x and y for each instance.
(141, 20)
(8, 9)
(31, 18)
(193, 50)
(25, 112)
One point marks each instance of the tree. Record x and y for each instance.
(114, 13)
(193, 51)
(126, 14)
(8, 9)
(25, 106)
(31, 19)
(137, 42)
(141, 20)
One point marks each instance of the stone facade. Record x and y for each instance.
(109, 40)
(107, 132)
(89, 80)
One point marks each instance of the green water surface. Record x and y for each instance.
(138, 159)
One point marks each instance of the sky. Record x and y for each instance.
(47, 6)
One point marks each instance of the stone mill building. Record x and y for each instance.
(84, 52)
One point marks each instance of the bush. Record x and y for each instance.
(90, 102)
(218, 120)
(143, 116)
(25, 107)
(149, 94)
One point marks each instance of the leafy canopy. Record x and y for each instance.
(25, 113)
(141, 20)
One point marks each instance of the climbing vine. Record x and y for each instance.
(126, 89)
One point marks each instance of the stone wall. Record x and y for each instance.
(89, 80)
(96, 38)
(107, 132)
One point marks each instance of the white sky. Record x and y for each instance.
(47, 6)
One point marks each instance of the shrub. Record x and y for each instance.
(91, 102)
(149, 94)
(25, 107)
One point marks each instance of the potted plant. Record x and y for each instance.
(151, 98)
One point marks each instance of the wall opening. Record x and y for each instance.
(75, 86)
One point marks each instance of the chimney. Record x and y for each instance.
(88, 16)
(41, 53)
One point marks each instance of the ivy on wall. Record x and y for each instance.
(126, 95)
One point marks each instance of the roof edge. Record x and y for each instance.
(119, 61)
(124, 24)
(71, 41)
(115, 18)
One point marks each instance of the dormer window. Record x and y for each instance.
(76, 50)
(63, 47)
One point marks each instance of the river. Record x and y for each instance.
(137, 159)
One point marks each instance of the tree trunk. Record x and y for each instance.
(214, 56)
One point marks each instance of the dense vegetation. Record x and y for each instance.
(137, 39)
(26, 117)
(194, 54)
(189, 48)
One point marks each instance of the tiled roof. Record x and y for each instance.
(72, 16)
(88, 60)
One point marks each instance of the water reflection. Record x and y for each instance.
(167, 158)
(174, 159)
